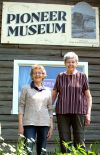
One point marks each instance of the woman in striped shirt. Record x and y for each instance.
(73, 106)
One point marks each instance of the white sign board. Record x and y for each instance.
(50, 24)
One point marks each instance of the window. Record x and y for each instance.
(22, 77)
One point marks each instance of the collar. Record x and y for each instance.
(32, 85)
(75, 71)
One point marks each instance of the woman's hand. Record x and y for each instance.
(88, 119)
(50, 132)
(20, 130)
(20, 124)
(89, 101)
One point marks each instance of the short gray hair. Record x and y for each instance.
(71, 55)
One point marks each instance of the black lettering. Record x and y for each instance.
(41, 29)
(35, 17)
(50, 28)
(23, 30)
(10, 17)
(17, 18)
(62, 15)
(44, 16)
(25, 18)
(12, 31)
(59, 28)
(53, 15)
(32, 29)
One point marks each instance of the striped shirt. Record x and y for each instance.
(71, 93)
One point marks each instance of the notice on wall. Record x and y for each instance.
(50, 24)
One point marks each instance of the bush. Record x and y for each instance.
(79, 150)
(21, 149)
(18, 149)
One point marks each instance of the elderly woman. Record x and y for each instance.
(73, 107)
(35, 110)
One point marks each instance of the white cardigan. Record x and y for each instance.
(36, 106)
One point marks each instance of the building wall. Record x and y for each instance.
(9, 52)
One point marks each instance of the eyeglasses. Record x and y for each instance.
(38, 73)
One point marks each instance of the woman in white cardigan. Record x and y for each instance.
(35, 110)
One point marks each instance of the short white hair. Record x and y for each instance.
(71, 55)
(39, 67)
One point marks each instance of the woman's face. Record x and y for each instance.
(37, 75)
(71, 64)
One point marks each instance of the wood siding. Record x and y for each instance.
(9, 52)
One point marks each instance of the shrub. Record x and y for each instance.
(21, 149)
(18, 149)
(79, 150)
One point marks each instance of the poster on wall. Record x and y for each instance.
(21, 76)
(50, 24)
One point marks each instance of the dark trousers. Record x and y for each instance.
(39, 132)
(71, 128)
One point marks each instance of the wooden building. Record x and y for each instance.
(9, 52)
